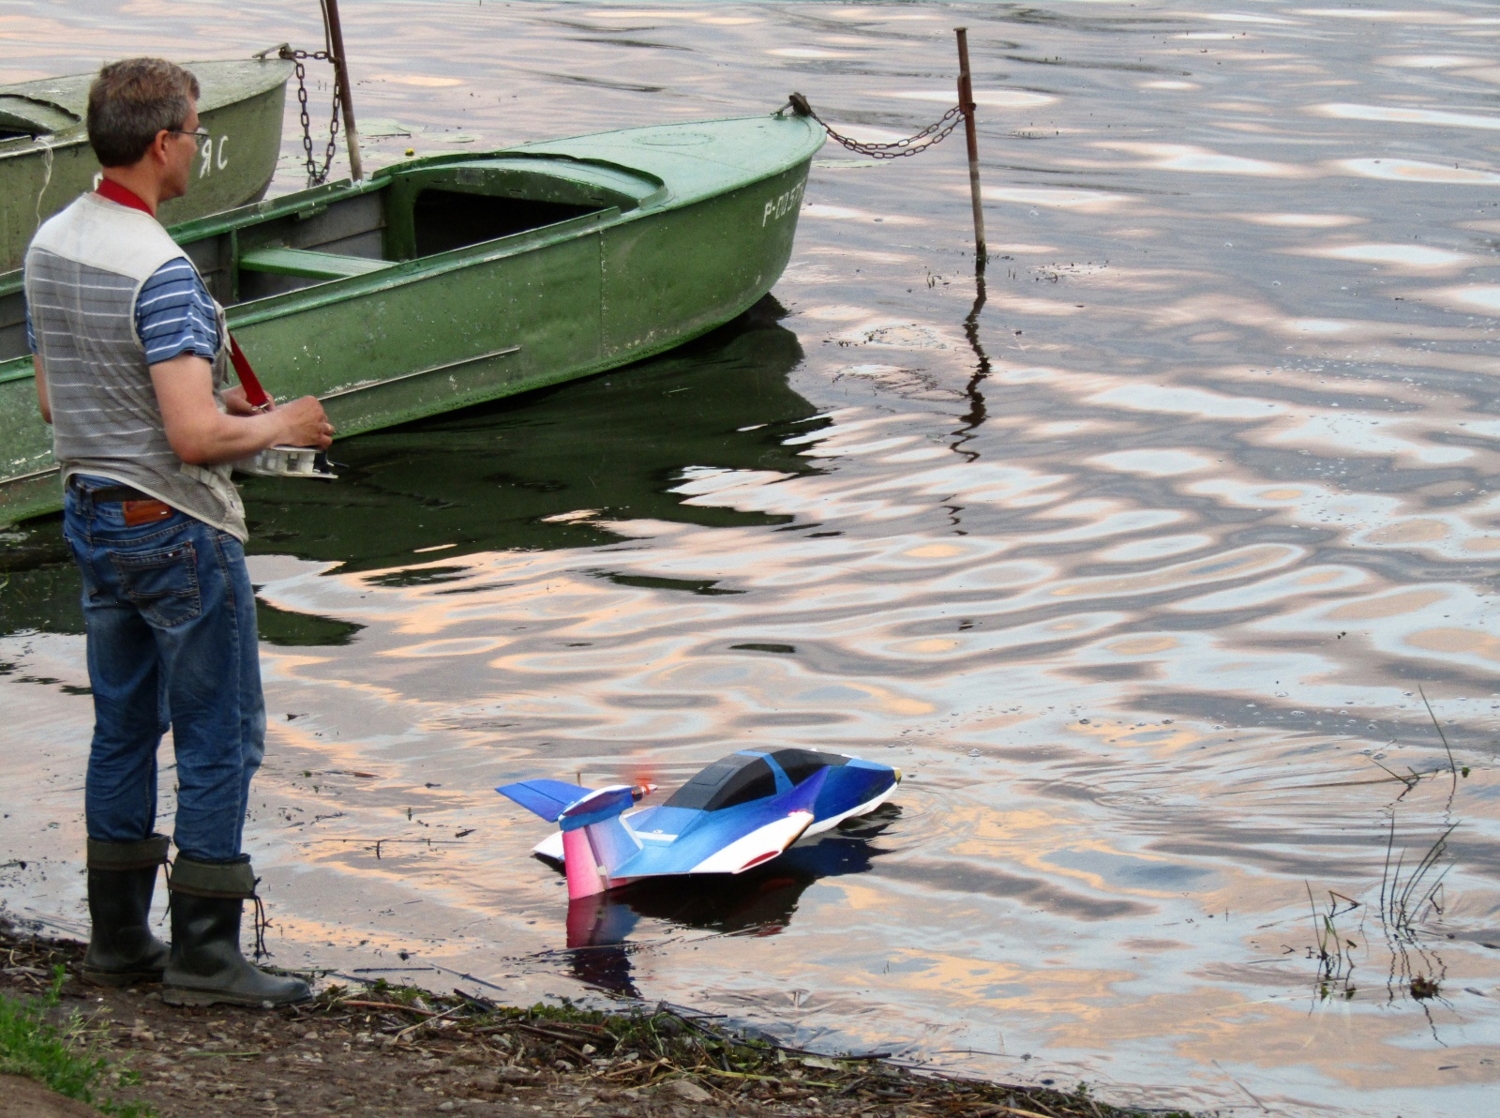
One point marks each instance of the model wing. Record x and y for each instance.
(547, 798)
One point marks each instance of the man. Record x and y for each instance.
(131, 371)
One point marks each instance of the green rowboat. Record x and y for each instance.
(46, 161)
(447, 281)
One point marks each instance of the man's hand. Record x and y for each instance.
(202, 435)
(234, 399)
(307, 423)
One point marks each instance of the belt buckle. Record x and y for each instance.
(145, 512)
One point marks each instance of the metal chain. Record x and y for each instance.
(316, 175)
(930, 136)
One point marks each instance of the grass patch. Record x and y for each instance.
(41, 1043)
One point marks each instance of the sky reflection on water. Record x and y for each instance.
(1143, 611)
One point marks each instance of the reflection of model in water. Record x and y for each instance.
(758, 902)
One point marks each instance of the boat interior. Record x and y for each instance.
(423, 212)
(429, 210)
(24, 119)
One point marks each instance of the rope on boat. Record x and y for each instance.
(929, 137)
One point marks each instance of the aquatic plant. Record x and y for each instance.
(1452, 764)
(1408, 899)
(1334, 950)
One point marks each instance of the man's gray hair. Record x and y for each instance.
(131, 101)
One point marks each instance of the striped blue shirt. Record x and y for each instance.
(173, 315)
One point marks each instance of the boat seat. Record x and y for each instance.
(310, 265)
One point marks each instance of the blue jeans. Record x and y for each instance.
(170, 617)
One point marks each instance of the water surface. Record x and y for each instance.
(1141, 577)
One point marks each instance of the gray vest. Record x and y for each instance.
(84, 270)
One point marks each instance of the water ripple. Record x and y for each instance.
(1140, 597)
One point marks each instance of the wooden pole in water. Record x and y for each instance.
(341, 75)
(966, 103)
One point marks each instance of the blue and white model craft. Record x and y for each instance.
(738, 813)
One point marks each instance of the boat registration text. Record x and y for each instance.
(779, 207)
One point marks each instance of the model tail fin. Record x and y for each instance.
(595, 842)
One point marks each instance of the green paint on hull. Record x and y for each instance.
(478, 276)
(46, 161)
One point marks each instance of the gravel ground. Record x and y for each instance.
(401, 1051)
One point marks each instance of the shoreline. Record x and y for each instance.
(384, 1049)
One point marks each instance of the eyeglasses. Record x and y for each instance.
(200, 133)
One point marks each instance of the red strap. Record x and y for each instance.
(255, 395)
(112, 190)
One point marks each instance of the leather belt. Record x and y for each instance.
(114, 493)
(139, 508)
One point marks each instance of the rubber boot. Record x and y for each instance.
(206, 967)
(122, 878)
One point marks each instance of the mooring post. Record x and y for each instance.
(966, 103)
(341, 75)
